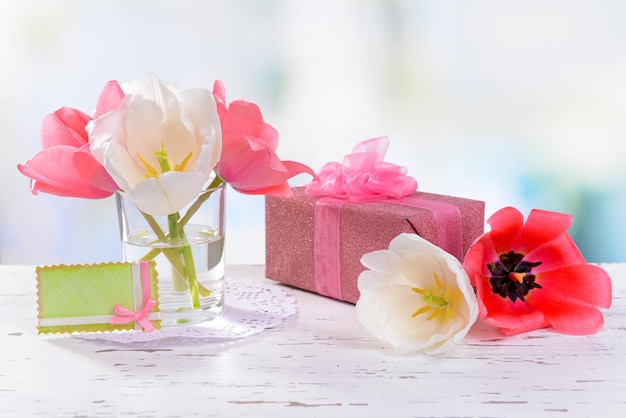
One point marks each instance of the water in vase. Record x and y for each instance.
(207, 249)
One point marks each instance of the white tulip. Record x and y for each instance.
(415, 296)
(160, 145)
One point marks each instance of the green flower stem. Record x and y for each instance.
(194, 293)
(150, 255)
(180, 281)
(178, 268)
(173, 256)
(154, 225)
(189, 279)
(217, 182)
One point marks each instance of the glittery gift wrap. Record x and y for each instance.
(316, 243)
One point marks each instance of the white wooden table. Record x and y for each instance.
(319, 363)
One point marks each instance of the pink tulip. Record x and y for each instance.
(249, 162)
(65, 166)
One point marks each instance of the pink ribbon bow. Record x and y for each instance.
(124, 316)
(363, 176)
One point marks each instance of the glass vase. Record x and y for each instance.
(188, 248)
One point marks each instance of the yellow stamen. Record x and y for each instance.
(164, 164)
(150, 171)
(435, 313)
(183, 164)
(439, 284)
(519, 277)
(436, 301)
(421, 310)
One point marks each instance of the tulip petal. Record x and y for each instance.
(53, 171)
(246, 169)
(541, 226)
(109, 99)
(509, 325)
(219, 92)
(92, 171)
(201, 119)
(474, 260)
(66, 126)
(585, 283)
(246, 118)
(282, 190)
(568, 317)
(505, 226)
(383, 261)
(152, 130)
(168, 193)
(555, 254)
(295, 168)
(109, 126)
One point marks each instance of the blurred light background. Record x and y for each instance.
(518, 103)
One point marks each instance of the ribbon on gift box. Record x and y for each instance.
(365, 177)
(327, 240)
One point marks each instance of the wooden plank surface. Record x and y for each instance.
(317, 363)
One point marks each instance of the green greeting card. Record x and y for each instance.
(97, 297)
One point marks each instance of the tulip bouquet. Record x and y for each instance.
(163, 149)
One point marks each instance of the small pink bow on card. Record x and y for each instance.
(363, 176)
(125, 316)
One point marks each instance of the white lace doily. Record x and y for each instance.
(250, 308)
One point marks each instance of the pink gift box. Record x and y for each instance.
(317, 243)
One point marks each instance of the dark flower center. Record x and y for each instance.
(510, 276)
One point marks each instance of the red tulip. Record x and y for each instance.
(249, 162)
(532, 275)
(65, 166)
